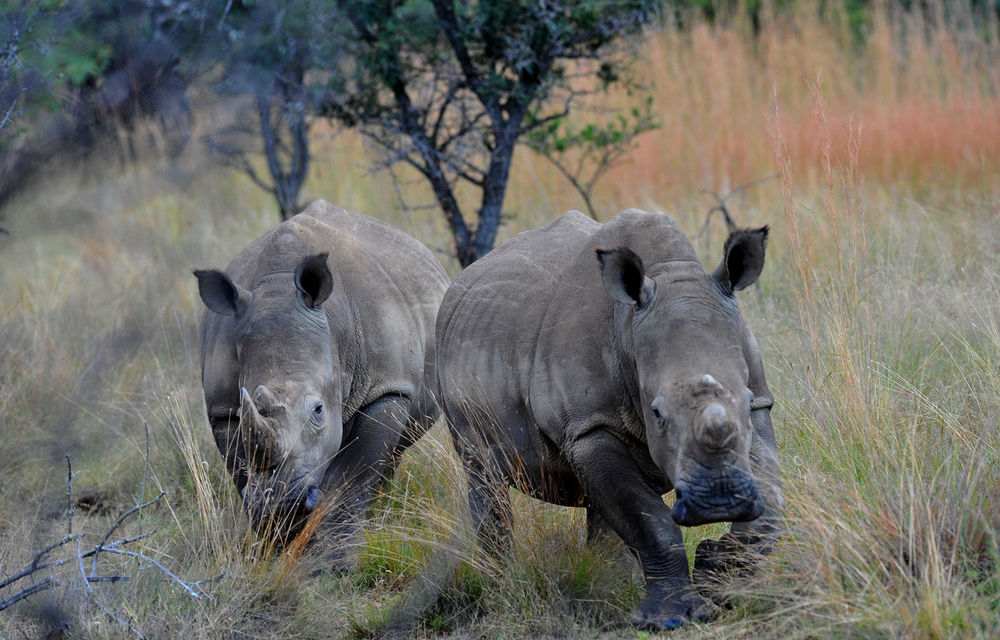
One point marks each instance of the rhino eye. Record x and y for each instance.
(657, 408)
(317, 413)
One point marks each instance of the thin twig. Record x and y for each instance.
(36, 565)
(167, 572)
(117, 524)
(93, 596)
(41, 585)
(69, 496)
(198, 583)
(721, 207)
(108, 578)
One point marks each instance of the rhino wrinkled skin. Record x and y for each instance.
(599, 365)
(318, 367)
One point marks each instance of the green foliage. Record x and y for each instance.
(583, 155)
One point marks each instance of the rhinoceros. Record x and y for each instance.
(600, 366)
(317, 354)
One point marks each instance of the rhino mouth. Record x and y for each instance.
(278, 514)
(716, 500)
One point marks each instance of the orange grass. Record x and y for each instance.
(926, 107)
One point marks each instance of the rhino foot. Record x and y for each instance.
(669, 607)
(717, 561)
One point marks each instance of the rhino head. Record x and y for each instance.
(274, 390)
(685, 334)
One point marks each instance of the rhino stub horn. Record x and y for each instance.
(710, 383)
(259, 436)
(715, 429)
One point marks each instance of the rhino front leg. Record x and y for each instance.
(633, 508)
(366, 459)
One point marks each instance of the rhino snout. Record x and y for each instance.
(275, 505)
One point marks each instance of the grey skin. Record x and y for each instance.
(317, 353)
(600, 366)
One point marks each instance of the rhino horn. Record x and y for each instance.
(260, 437)
(715, 430)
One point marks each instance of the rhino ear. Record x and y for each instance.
(220, 293)
(742, 259)
(313, 280)
(624, 278)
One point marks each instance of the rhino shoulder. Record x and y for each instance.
(653, 236)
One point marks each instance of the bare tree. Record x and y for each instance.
(280, 54)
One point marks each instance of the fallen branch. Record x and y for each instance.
(44, 561)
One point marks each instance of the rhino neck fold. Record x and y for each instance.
(625, 374)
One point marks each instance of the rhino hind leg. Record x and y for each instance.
(490, 508)
(366, 459)
(487, 477)
(598, 529)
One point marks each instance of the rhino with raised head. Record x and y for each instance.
(317, 354)
(599, 365)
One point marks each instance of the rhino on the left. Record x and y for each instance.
(317, 363)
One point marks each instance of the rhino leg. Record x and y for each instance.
(365, 460)
(597, 528)
(488, 479)
(635, 511)
(747, 542)
(490, 507)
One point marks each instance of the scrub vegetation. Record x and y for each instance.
(874, 160)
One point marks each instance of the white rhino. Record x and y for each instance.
(317, 354)
(599, 365)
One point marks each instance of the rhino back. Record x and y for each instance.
(489, 320)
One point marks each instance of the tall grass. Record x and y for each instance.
(877, 314)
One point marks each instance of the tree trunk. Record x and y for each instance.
(291, 115)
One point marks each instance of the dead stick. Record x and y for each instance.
(117, 524)
(41, 585)
(69, 496)
(35, 564)
(93, 596)
(167, 572)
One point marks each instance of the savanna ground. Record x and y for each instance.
(878, 315)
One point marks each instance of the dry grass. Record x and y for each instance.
(878, 312)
